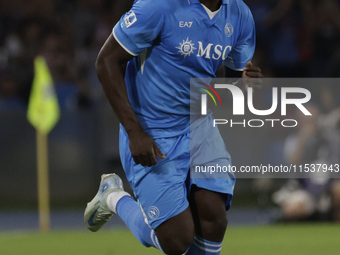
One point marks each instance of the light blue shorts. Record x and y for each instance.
(163, 189)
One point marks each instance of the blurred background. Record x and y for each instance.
(294, 39)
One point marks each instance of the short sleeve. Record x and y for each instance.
(244, 49)
(138, 28)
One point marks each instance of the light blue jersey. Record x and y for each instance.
(173, 41)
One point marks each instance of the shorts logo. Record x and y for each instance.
(130, 19)
(153, 212)
(228, 29)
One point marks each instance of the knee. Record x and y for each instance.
(176, 234)
(214, 225)
(210, 214)
(176, 245)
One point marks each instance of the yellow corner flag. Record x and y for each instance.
(43, 113)
(43, 109)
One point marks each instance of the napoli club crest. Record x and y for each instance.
(228, 29)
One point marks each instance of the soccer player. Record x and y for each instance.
(165, 44)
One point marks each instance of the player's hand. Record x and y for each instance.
(251, 75)
(144, 149)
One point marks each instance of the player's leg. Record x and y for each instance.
(175, 233)
(112, 199)
(173, 236)
(129, 211)
(162, 196)
(210, 193)
(209, 213)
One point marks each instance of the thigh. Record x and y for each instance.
(161, 194)
(208, 150)
(160, 189)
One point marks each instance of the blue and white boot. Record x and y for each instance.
(97, 212)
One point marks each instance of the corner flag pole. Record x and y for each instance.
(43, 113)
(43, 182)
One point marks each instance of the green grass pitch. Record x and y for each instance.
(313, 239)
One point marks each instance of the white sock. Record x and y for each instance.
(113, 198)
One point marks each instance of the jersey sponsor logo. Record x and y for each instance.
(228, 29)
(209, 51)
(186, 48)
(130, 19)
(153, 212)
(185, 24)
(213, 51)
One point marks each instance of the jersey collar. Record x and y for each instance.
(198, 1)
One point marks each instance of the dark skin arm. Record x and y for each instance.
(143, 148)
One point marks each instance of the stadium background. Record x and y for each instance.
(294, 39)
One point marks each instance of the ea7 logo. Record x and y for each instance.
(185, 23)
(239, 102)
